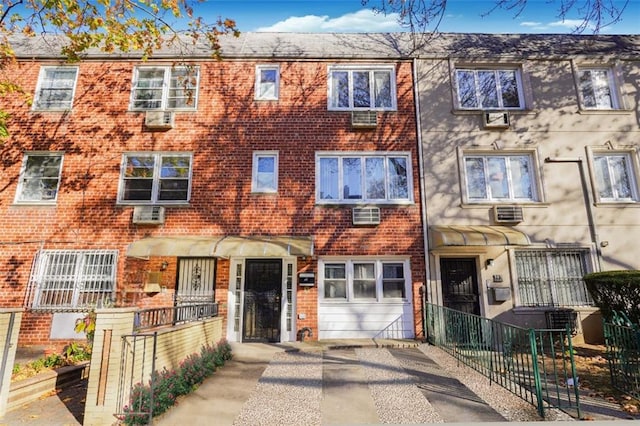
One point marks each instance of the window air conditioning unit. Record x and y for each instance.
(508, 214)
(364, 119)
(159, 119)
(366, 215)
(495, 119)
(148, 215)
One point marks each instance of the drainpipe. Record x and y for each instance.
(423, 201)
(587, 200)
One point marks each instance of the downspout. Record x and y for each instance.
(426, 293)
(587, 201)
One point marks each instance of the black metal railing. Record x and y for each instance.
(622, 339)
(146, 319)
(535, 365)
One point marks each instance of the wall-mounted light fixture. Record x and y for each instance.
(489, 262)
(164, 265)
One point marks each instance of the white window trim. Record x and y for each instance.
(254, 173)
(23, 168)
(258, 83)
(362, 68)
(614, 86)
(365, 201)
(349, 273)
(165, 88)
(523, 92)
(633, 163)
(536, 181)
(41, 76)
(155, 190)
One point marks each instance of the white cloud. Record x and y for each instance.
(364, 20)
(570, 24)
(531, 24)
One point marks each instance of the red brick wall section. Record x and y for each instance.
(228, 126)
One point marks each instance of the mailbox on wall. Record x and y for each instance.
(307, 279)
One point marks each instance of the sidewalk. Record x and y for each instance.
(307, 383)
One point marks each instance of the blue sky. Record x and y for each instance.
(540, 16)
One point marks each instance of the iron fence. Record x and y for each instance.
(535, 365)
(146, 319)
(622, 340)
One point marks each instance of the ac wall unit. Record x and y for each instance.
(159, 119)
(366, 215)
(508, 214)
(148, 215)
(364, 119)
(495, 119)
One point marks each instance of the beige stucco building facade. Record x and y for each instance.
(530, 148)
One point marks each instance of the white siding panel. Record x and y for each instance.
(365, 320)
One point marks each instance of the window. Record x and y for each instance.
(73, 279)
(552, 278)
(165, 88)
(267, 82)
(362, 88)
(148, 178)
(364, 280)
(489, 89)
(508, 177)
(363, 178)
(614, 176)
(56, 87)
(597, 88)
(265, 172)
(39, 178)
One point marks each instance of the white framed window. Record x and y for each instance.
(64, 280)
(363, 177)
(552, 277)
(362, 88)
(364, 280)
(615, 177)
(487, 89)
(165, 88)
(39, 178)
(265, 171)
(267, 82)
(155, 178)
(597, 88)
(508, 177)
(56, 88)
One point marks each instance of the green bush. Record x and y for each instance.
(616, 291)
(168, 385)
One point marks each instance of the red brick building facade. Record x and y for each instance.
(246, 170)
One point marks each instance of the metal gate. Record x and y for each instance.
(262, 300)
(196, 280)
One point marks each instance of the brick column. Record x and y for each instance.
(10, 319)
(104, 373)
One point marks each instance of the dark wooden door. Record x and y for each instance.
(460, 285)
(262, 300)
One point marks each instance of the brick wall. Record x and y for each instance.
(222, 134)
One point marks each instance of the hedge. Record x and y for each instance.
(616, 291)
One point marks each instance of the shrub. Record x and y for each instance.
(167, 385)
(616, 291)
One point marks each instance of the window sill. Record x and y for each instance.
(615, 204)
(35, 204)
(169, 205)
(490, 204)
(53, 110)
(350, 204)
(481, 111)
(618, 111)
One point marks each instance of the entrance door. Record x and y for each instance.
(460, 285)
(262, 295)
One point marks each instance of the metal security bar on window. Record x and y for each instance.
(552, 278)
(69, 280)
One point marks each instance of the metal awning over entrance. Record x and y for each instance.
(469, 235)
(223, 246)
